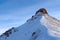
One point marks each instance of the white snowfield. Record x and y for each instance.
(52, 24)
(38, 27)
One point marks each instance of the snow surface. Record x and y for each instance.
(52, 24)
(32, 29)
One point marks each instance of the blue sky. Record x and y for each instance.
(14, 13)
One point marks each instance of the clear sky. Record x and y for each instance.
(14, 13)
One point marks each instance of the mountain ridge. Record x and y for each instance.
(32, 29)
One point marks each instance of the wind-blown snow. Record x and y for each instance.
(32, 29)
(52, 24)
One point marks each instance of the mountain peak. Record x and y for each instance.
(36, 28)
(42, 10)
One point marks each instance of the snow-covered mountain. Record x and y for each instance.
(33, 29)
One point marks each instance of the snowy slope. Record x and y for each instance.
(32, 29)
(52, 24)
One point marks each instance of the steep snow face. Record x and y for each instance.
(33, 29)
(52, 24)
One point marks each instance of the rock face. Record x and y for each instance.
(40, 26)
(42, 10)
(8, 33)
